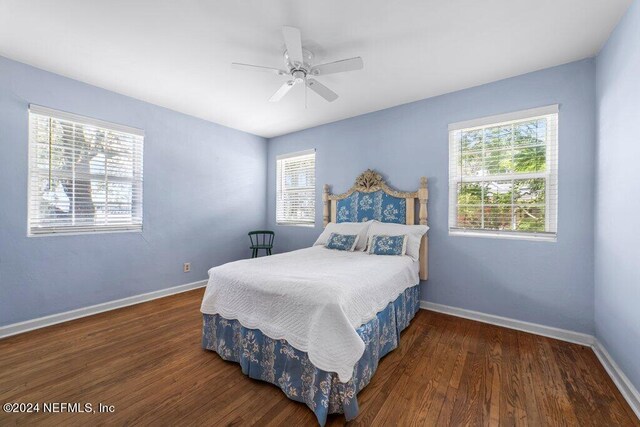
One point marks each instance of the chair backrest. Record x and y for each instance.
(261, 237)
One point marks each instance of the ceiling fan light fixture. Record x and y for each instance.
(298, 76)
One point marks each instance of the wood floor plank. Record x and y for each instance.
(468, 407)
(446, 410)
(386, 398)
(609, 398)
(513, 409)
(419, 374)
(555, 393)
(580, 391)
(530, 380)
(429, 399)
(492, 375)
(146, 360)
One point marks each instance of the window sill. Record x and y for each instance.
(80, 233)
(290, 224)
(548, 237)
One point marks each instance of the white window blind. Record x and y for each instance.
(85, 175)
(503, 175)
(296, 188)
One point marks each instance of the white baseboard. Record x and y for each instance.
(628, 391)
(534, 328)
(41, 322)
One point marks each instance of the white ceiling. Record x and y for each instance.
(177, 54)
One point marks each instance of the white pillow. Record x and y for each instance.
(359, 228)
(414, 232)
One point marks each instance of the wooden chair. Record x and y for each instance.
(261, 239)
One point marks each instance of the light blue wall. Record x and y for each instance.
(617, 225)
(547, 283)
(199, 178)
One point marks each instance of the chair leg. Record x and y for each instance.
(269, 251)
(253, 253)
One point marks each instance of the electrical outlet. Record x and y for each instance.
(186, 267)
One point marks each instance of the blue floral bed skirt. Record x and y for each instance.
(275, 361)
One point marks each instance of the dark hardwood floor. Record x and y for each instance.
(147, 362)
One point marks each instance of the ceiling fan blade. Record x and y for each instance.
(322, 90)
(341, 66)
(249, 67)
(286, 87)
(293, 41)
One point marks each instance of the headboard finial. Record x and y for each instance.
(368, 180)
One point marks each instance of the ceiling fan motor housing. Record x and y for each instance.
(304, 67)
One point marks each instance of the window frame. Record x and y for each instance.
(86, 121)
(550, 174)
(289, 156)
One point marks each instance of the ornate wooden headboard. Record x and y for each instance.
(371, 198)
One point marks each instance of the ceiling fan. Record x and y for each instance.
(299, 67)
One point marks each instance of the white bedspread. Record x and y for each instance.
(314, 298)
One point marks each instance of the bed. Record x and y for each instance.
(315, 322)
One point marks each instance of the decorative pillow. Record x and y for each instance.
(359, 228)
(342, 242)
(413, 232)
(388, 245)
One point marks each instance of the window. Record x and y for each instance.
(85, 175)
(503, 175)
(296, 188)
